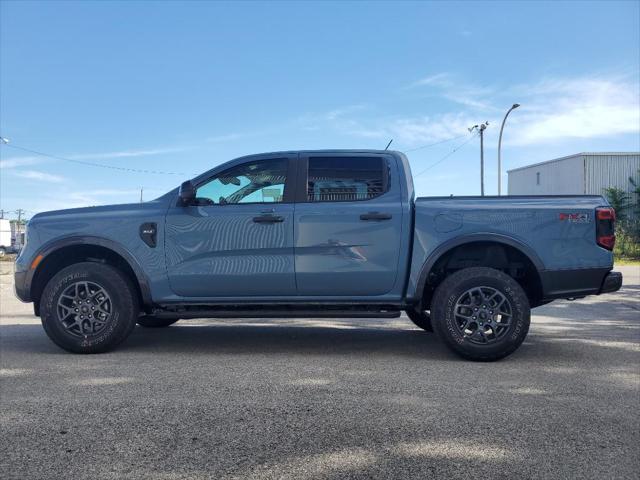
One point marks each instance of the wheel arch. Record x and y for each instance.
(69, 250)
(487, 239)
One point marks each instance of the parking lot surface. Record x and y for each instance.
(317, 398)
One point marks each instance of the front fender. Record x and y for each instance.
(25, 275)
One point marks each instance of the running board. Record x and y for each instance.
(275, 313)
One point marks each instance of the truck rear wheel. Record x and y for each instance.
(481, 313)
(420, 319)
(150, 321)
(88, 308)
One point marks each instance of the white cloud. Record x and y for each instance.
(411, 131)
(335, 117)
(587, 107)
(446, 86)
(39, 176)
(553, 110)
(341, 112)
(15, 162)
(127, 153)
(225, 138)
(437, 80)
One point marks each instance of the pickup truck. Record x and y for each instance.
(334, 233)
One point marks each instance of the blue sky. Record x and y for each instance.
(182, 87)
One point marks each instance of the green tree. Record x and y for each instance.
(619, 200)
(636, 193)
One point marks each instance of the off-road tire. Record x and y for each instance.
(446, 323)
(123, 307)
(420, 319)
(149, 321)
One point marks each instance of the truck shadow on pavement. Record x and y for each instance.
(548, 337)
(276, 338)
(208, 337)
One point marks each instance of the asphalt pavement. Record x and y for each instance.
(331, 399)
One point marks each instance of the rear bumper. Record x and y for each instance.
(611, 283)
(579, 282)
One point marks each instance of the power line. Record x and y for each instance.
(434, 144)
(446, 156)
(92, 164)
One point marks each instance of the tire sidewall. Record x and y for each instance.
(447, 296)
(420, 319)
(123, 315)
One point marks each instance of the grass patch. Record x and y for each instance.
(627, 262)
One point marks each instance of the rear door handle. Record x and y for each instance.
(376, 216)
(268, 219)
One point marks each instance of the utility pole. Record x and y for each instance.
(515, 105)
(141, 188)
(481, 128)
(2, 214)
(20, 212)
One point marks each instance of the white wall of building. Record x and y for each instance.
(559, 177)
(580, 174)
(604, 171)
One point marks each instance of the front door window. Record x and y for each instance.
(253, 182)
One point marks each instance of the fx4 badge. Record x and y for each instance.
(575, 217)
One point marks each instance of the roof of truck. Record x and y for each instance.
(331, 151)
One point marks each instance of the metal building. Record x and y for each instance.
(579, 174)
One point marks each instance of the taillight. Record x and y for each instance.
(605, 227)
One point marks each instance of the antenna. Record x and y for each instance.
(388, 144)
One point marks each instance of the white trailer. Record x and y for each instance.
(5, 237)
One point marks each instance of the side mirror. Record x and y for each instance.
(187, 194)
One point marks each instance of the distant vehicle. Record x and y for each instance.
(5, 237)
(315, 234)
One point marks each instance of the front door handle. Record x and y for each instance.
(268, 219)
(376, 216)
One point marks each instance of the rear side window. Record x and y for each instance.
(341, 179)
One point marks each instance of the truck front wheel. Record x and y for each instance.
(481, 313)
(88, 308)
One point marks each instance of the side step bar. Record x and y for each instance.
(275, 313)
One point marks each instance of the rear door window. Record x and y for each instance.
(344, 179)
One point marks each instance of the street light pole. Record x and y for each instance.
(513, 107)
(483, 126)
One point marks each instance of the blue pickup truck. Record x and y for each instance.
(335, 233)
